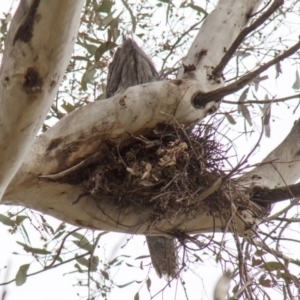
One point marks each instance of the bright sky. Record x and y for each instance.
(54, 284)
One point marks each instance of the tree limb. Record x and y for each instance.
(262, 195)
(227, 20)
(240, 83)
(32, 67)
(263, 101)
(281, 167)
(241, 37)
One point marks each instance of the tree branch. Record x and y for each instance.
(263, 101)
(241, 37)
(281, 167)
(240, 83)
(32, 67)
(207, 50)
(263, 195)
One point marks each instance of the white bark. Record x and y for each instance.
(281, 167)
(215, 36)
(37, 51)
(136, 111)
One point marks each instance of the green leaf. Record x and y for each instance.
(20, 219)
(246, 114)
(83, 242)
(34, 250)
(256, 262)
(105, 274)
(265, 282)
(296, 85)
(273, 265)
(198, 9)
(198, 257)
(103, 48)
(242, 98)
(105, 6)
(148, 282)
(47, 226)
(87, 77)
(22, 274)
(26, 234)
(129, 265)
(125, 284)
(142, 257)
(6, 220)
(278, 69)
(94, 263)
(78, 235)
(78, 268)
(107, 20)
(68, 107)
(267, 117)
(61, 226)
(259, 252)
(58, 235)
(89, 47)
(288, 277)
(230, 118)
(83, 261)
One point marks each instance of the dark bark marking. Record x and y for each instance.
(54, 144)
(72, 147)
(25, 31)
(6, 81)
(122, 101)
(265, 196)
(85, 225)
(32, 81)
(188, 68)
(200, 54)
(297, 153)
(52, 84)
(200, 101)
(176, 81)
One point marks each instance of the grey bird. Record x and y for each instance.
(131, 66)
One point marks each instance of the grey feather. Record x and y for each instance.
(130, 66)
(164, 256)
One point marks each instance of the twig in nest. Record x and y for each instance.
(149, 144)
(79, 197)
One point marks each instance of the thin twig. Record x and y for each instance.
(263, 101)
(60, 248)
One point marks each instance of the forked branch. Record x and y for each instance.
(241, 37)
(244, 80)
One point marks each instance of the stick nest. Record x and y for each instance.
(167, 171)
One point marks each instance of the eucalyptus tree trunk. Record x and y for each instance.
(32, 67)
